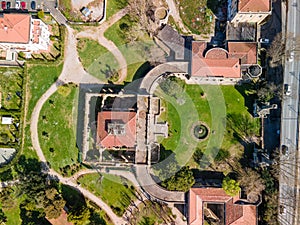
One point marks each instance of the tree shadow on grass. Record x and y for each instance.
(249, 98)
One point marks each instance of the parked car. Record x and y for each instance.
(291, 57)
(264, 40)
(3, 4)
(23, 5)
(8, 5)
(18, 5)
(287, 89)
(32, 5)
(285, 149)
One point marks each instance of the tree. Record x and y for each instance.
(79, 216)
(41, 14)
(250, 181)
(143, 12)
(276, 49)
(198, 154)
(267, 91)
(3, 217)
(183, 180)
(230, 186)
(222, 155)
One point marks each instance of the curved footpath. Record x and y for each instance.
(98, 34)
(72, 72)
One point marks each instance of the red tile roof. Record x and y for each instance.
(125, 122)
(234, 214)
(246, 51)
(254, 5)
(15, 28)
(218, 62)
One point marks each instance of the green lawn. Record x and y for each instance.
(57, 129)
(113, 6)
(135, 53)
(117, 192)
(40, 78)
(11, 82)
(13, 210)
(211, 108)
(97, 60)
(197, 15)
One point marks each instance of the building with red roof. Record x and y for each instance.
(251, 11)
(220, 62)
(116, 129)
(22, 33)
(214, 204)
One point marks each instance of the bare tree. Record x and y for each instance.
(251, 181)
(143, 12)
(276, 50)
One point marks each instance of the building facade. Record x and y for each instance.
(248, 11)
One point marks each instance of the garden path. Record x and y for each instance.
(98, 34)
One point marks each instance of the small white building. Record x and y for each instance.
(19, 32)
(6, 120)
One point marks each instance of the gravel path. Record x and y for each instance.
(98, 34)
(72, 72)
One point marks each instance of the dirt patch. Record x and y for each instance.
(95, 6)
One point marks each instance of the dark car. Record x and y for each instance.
(3, 4)
(23, 5)
(8, 4)
(285, 149)
(33, 5)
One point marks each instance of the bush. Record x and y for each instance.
(230, 186)
(222, 155)
(41, 14)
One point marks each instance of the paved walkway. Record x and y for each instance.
(98, 34)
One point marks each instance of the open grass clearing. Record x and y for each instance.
(116, 191)
(209, 104)
(136, 52)
(113, 6)
(11, 83)
(96, 59)
(197, 15)
(57, 129)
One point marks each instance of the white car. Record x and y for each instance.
(18, 5)
(292, 56)
(264, 40)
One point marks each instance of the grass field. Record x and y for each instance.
(211, 108)
(197, 15)
(96, 59)
(40, 78)
(113, 6)
(57, 129)
(135, 53)
(117, 192)
(11, 82)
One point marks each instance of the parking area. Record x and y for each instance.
(26, 5)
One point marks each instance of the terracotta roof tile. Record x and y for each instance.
(246, 51)
(254, 5)
(15, 28)
(234, 214)
(109, 139)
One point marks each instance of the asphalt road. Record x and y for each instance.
(289, 166)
